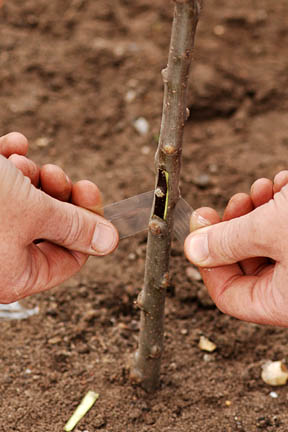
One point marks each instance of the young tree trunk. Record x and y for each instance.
(151, 300)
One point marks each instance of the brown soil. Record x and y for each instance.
(78, 73)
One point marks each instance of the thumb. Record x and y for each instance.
(75, 228)
(232, 241)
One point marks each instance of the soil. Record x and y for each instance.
(74, 77)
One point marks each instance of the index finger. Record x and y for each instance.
(13, 142)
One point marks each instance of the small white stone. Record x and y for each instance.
(207, 358)
(119, 50)
(130, 96)
(193, 274)
(145, 150)
(219, 30)
(132, 256)
(273, 395)
(206, 345)
(42, 142)
(141, 125)
(274, 373)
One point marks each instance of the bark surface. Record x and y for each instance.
(151, 300)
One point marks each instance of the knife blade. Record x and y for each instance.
(131, 216)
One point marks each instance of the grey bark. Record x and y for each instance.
(151, 300)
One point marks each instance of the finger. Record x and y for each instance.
(13, 142)
(280, 180)
(238, 205)
(261, 191)
(51, 265)
(206, 216)
(247, 236)
(202, 217)
(28, 167)
(72, 227)
(87, 195)
(245, 297)
(55, 182)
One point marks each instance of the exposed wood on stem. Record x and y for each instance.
(146, 368)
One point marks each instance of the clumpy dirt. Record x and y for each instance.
(74, 77)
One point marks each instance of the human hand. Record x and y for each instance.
(243, 260)
(28, 213)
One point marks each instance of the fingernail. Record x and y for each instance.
(197, 248)
(197, 221)
(104, 239)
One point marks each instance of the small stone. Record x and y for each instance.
(219, 30)
(274, 373)
(42, 142)
(228, 403)
(273, 395)
(141, 125)
(82, 348)
(213, 168)
(132, 256)
(207, 358)
(204, 297)
(130, 96)
(193, 274)
(145, 150)
(206, 345)
(184, 332)
(54, 340)
(133, 83)
(203, 180)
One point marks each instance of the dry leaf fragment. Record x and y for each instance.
(84, 406)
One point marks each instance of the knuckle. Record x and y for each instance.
(72, 229)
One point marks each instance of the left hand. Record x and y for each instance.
(42, 203)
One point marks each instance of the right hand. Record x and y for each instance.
(244, 258)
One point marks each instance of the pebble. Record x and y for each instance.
(130, 96)
(219, 30)
(54, 340)
(206, 345)
(132, 256)
(203, 180)
(273, 395)
(145, 150)
(274, 373)
(193, 274)
(141, 125)
(42, 142)
(207, 358)
(213, 168)
(204, 297)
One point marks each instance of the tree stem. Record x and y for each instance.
(168, 160)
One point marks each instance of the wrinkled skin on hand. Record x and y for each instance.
(243, 259)
(42, 203)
